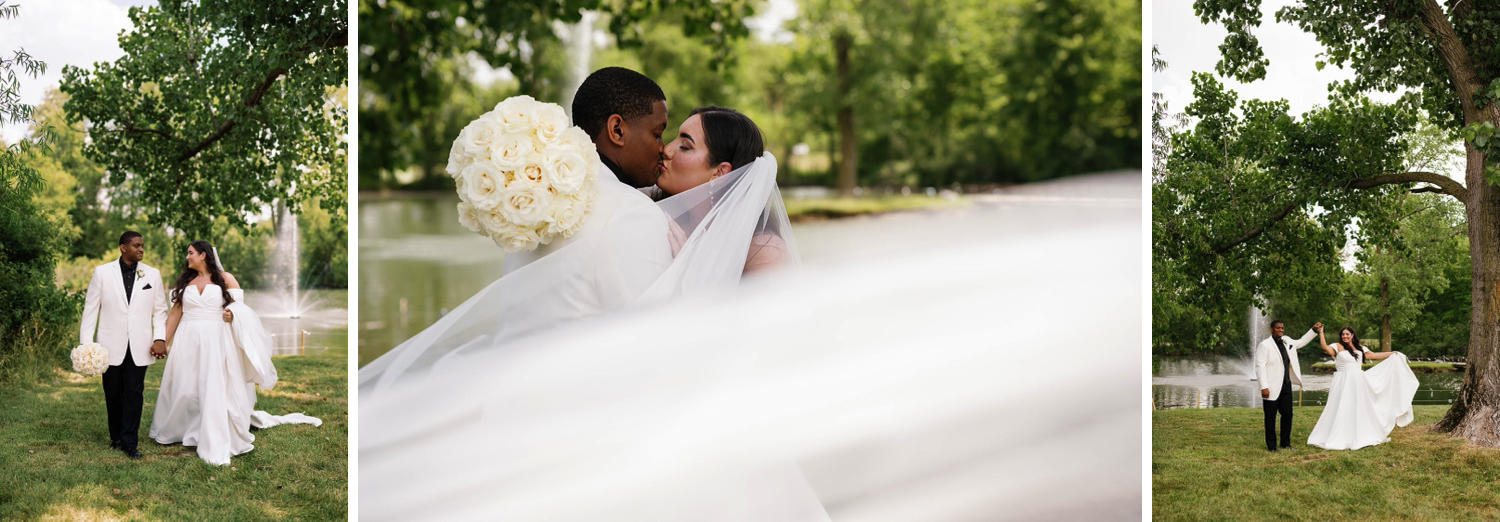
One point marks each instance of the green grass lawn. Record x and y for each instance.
(1212, 464)
(56, 464)
(806, 209)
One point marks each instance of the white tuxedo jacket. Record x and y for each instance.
(1268, 362)
(120, 323)
(623, 245)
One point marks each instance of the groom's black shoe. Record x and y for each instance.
(114, 444)
(132, 453)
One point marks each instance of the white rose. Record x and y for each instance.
(512, 238)
(515, 114)
(512, 151)
(468, 217)
(532, 174)
(483, 184)
(575, 138)
(525, 205)
(489, 220)
(478, 137)
(550, 122)
(458, 159)
(566, 169)
(567, 213)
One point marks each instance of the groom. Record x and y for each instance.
(625, 113)
(1276, 369)
(127, 306)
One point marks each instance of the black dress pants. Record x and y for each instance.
(123, 386)
(1282, 405)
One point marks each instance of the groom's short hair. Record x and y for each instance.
(613, 90)
(1275, 322)
(129, 235)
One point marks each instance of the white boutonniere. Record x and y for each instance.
(140, 273)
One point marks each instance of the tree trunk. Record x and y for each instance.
(1385, 316)
(1475, 414)
(848, 156)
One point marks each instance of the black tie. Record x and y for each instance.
(1286, 365)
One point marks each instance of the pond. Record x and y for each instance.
(416, 262)
(318, 320)
(1219, 381)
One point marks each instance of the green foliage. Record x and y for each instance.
(1251, 202)
(218, 108)
(943, 91)
(325, 249)
(407, 50)
(36, 319)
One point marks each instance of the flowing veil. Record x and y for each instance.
(717, 224)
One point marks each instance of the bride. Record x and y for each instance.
(1363, 405)
(208, 387)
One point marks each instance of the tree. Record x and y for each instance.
(220, 107)
(404, 42)
(34, 315)
(1451, 58)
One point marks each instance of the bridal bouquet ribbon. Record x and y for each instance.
(89, 359)
(524, 175)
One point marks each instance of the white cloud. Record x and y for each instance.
(74, 32)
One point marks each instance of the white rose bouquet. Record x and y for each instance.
(89, 359)
(525, 176)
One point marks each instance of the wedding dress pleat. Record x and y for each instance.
(1365, 405)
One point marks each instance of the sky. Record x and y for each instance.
(71, 32)
(1188, 45)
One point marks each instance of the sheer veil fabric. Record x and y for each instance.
(714, 228)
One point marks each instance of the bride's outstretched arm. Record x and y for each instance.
(1378, 355)
(1324, 342)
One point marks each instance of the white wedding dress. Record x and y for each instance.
(1364, 405)
(207, 394)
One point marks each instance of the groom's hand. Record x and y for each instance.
(1265, 393)
(159, 349)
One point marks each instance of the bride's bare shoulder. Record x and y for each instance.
(229, 281)
(766, 250)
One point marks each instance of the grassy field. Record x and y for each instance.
(806, 209)
(56, 464)
(1212, 464)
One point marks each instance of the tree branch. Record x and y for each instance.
(1454, 55)
(1445, 185)
(229, 123)
(1258, 230)
(133, 128)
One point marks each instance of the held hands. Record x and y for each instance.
(1318, 326)
(159, 349)
(228, 315)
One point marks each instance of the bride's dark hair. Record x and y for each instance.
(729, 136)
(1357, 350)
(188, 273)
